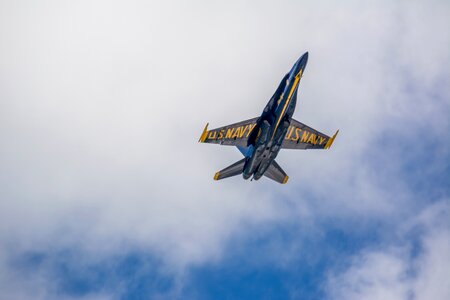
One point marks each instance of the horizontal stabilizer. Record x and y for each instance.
(233, 170)
(275, 172)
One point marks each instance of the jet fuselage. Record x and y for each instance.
(267, 136)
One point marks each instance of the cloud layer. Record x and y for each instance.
(412, 268)
(101, 105)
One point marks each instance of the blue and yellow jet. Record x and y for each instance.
(260, 139)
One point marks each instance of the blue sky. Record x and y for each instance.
(105, 194)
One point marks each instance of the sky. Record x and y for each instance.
(106, 194)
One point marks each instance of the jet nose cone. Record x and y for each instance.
(304, 58)
(301, 64)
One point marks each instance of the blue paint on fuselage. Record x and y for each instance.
(298, 67)
(274, 121)
(246, 151)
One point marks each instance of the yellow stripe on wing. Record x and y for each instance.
(204, 134)
(331, 140)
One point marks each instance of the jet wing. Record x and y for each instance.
(235, 134)
(301, 136)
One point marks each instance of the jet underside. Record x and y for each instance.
(260, 139)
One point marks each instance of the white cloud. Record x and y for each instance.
(395, 272)
(101, 105)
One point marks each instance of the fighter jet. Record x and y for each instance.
(261, 138)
